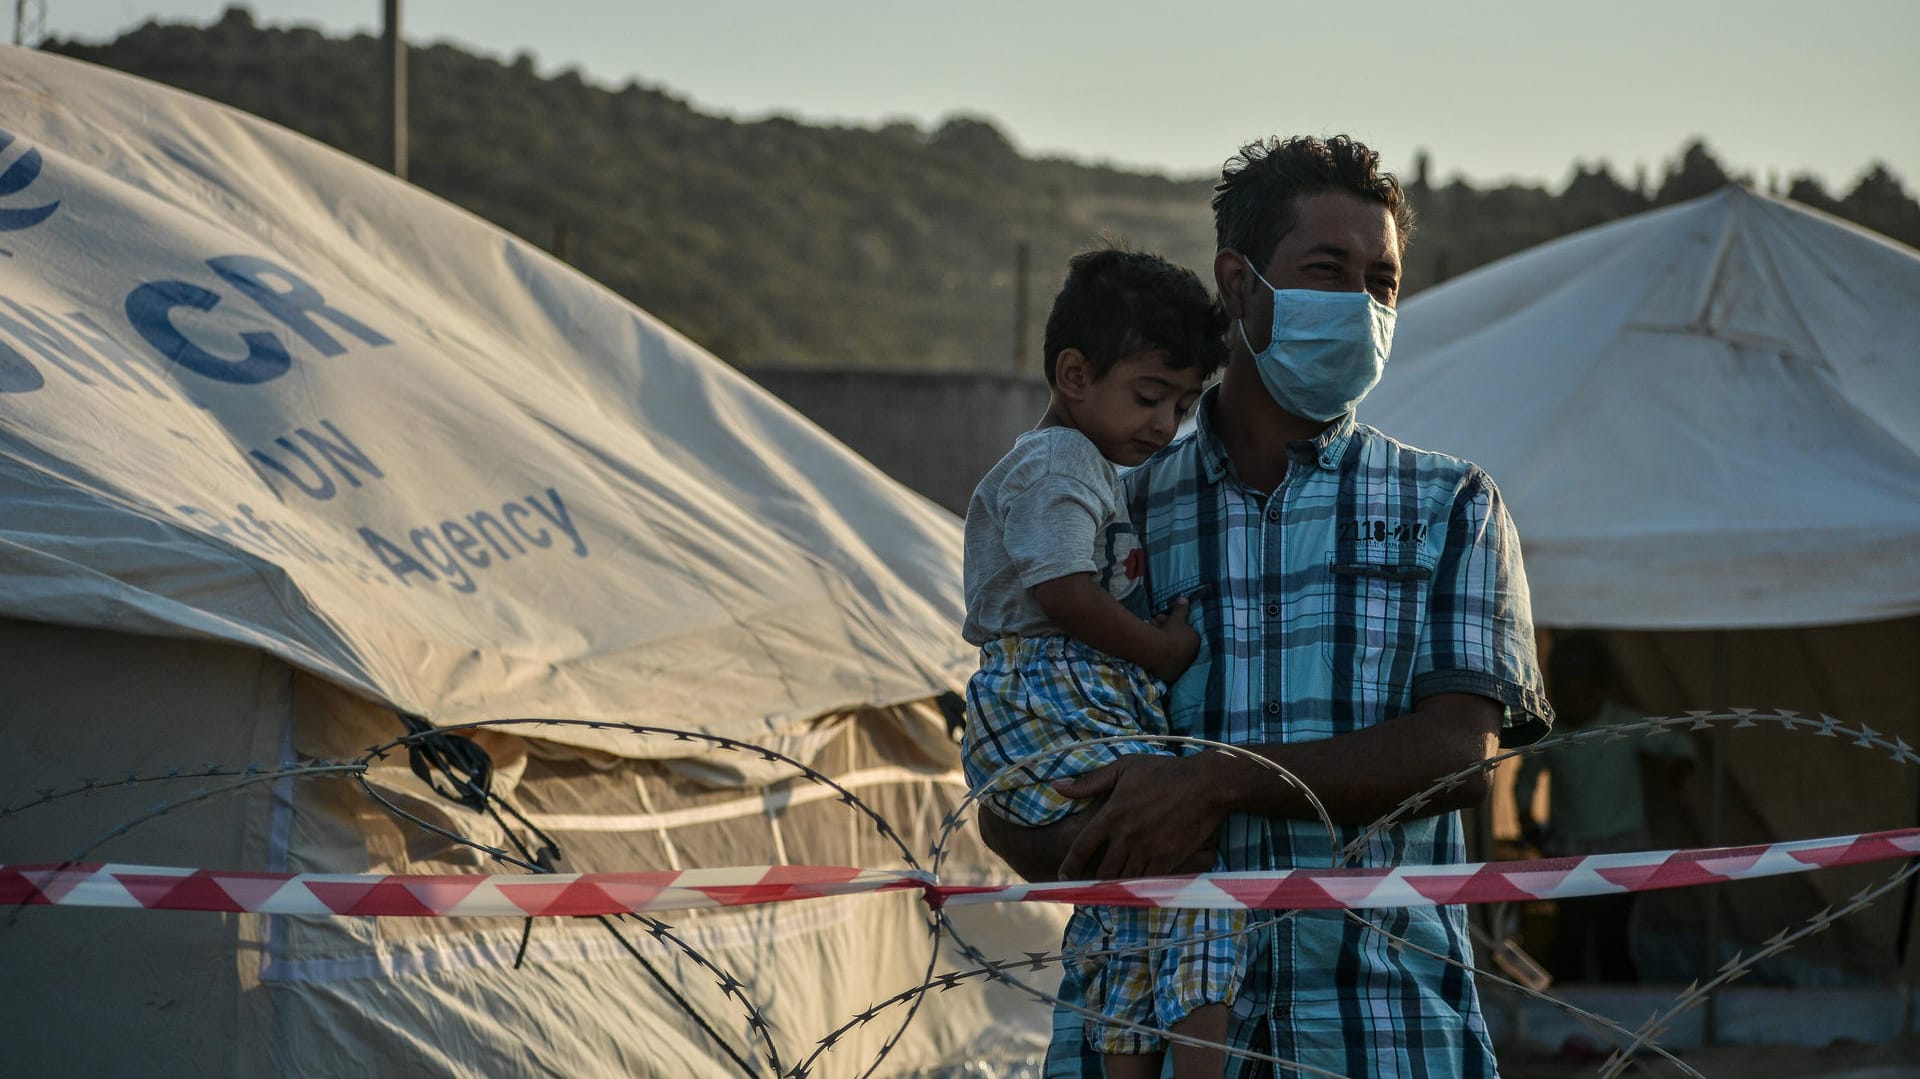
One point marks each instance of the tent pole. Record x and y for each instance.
(1717, 701)
(1905, 937)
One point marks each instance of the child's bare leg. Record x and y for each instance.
(1133, 1065)
(1207, 1023)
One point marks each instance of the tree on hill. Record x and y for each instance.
(781, 243)
(1807, 191)
(1696, 173)
(1880, 202)
(1595, 196)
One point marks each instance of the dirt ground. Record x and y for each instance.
(1842, 1060)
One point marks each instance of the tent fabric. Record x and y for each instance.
(248, 995)
(287, 448)
(1703, 416)
(1706, 422)
(1780, 785)
(255, 391)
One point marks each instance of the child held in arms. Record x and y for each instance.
(1051, 565)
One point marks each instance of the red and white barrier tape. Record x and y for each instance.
(574, 894)
(447, 896)
(1481, 882)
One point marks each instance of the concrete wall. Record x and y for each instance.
(938, 433)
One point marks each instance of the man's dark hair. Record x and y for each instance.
(1257, 200)
(1117, 303)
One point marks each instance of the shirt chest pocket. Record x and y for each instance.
(1374, 613)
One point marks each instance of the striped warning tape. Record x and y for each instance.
(576, 894)
(430, 896)
(1481, 882)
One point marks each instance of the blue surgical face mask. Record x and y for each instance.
(1328, 349)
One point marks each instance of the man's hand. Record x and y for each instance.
(1158, 818)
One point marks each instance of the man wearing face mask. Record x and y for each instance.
(1365, 624)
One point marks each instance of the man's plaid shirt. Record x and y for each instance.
(1374, 576)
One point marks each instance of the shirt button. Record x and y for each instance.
(1273, 708)
(1273, 514)
(1273, 610)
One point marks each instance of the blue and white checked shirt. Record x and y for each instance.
(1374, 576)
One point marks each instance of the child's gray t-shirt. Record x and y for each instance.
(1051, 508)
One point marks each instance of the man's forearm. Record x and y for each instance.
(1162, 814)
(1033, 853)
(1361, 776)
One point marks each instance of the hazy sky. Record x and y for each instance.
(1491, 89)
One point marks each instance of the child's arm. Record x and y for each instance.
(1164, 647)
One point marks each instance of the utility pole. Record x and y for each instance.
(394, 67)
(1021, 257)
(29, 21)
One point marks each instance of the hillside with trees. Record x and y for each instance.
(777, 243)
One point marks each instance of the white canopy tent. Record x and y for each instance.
(1705, 416)
(1706, 422)
(287, 448)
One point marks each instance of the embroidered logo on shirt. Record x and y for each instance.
(1378, 530)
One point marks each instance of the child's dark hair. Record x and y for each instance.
(1117, 303)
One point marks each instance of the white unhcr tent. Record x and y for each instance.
(1706, 421)
(288, 448)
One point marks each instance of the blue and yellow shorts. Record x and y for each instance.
(1033, 694)
(1039, 693)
